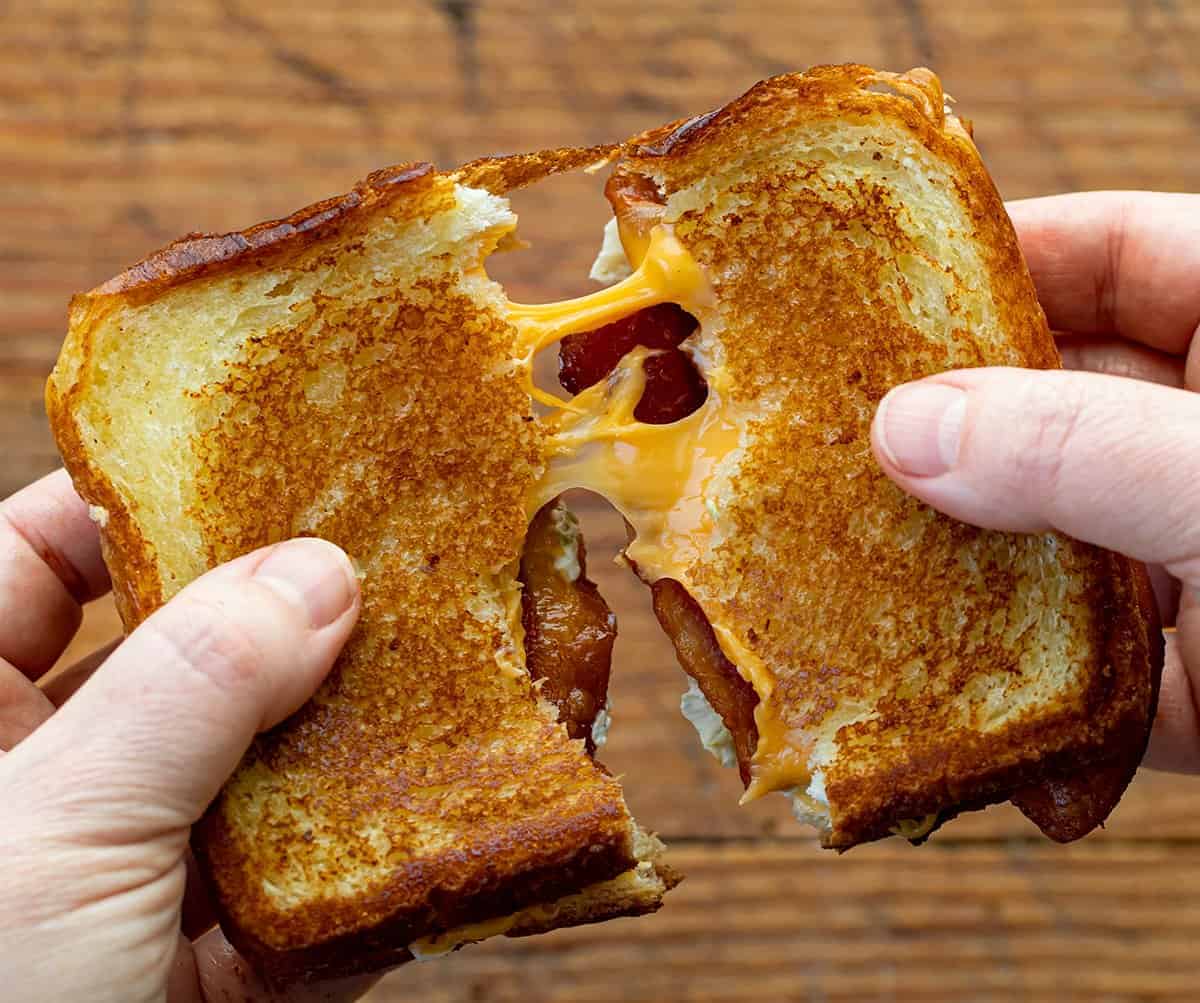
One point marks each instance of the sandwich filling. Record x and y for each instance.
(714, 736)
(668, 480)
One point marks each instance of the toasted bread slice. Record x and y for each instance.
(905, 665)
(349, 373)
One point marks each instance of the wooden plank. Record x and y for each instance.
(26, 448)
(782, 921)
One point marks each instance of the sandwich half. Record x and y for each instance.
(884, 666)
(352, 372)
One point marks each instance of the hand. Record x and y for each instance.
(1110, 455)
(104, 769)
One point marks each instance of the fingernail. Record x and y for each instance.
(313, 574)
(920, 425)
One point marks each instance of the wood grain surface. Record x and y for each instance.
(125, 124)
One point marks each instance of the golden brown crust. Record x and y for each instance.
(604, 907)
(1069, 807)
(1065, 777)
(484, 805)
(450, 903)
(848, 87)
(129, 557)
(842, 93)
(501, 175)
(201, 254)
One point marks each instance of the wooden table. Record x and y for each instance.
(125, 124)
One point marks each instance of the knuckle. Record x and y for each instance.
(1050, 412)
(207, 638)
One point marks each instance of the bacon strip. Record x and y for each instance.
(569, 629)
(637, 205)
(674, 387)
(1069, 808)
(701, 657)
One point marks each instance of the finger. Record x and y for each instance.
(1117, 357)
(150, 738)
(1175, 740)
(1106, 460)
(199, 915)
(49, 565)
(62, 683)
(183, 981)
(1167, 591)
(23, 707)
(220, 973)
(1116, 263)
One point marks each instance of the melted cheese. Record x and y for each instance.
(635, 243)
(660, 477)
(666, 273)
(778, 763)
(666, 480)
(914, 828)
(439, 945)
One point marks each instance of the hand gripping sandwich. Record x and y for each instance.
(352, 372)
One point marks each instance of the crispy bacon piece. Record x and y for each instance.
(637, 205)
(701, 656)
(569, 629)
(1070, 808)
(587, 358)
(674, 387)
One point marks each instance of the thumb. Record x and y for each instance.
(150, 738)
(1107, 460)
(1110, 461)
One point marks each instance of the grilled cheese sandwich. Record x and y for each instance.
(353, 372)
